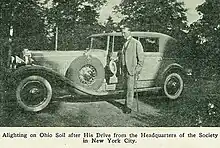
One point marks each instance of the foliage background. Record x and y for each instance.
(34, 23)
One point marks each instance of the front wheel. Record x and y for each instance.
(173, 85)
(33, 93)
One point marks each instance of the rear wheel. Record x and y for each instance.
(33, 93)
(173, 85)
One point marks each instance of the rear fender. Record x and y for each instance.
(171, 68)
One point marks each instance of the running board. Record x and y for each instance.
(115, 92)
(109, 93)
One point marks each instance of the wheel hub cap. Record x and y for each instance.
(33, 93)
(173, 86)
(87, 74)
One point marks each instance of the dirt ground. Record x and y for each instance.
(199, 106)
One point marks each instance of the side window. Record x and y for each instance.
(150, 44)
(118, 43)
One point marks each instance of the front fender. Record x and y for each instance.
(29, 70)
(51, 76)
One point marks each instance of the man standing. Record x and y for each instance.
(132, 63)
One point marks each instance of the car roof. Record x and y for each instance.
(135, 34)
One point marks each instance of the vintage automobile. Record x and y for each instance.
(96, 72)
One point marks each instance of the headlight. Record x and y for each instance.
(27, 56)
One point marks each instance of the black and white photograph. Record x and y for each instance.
(109, 63)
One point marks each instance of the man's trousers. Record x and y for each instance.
(129, 85)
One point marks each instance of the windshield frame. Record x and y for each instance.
(92, 39)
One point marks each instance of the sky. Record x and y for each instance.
(192, 15)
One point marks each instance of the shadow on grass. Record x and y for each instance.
(117, 104)
(53, 116)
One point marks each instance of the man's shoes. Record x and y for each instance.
(126, 110)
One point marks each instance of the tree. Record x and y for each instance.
(204, 36)
(110, 25)
(26, 19)
(165, 16)
(75, 19)
(206, 30)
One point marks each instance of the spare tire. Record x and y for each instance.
(86, 71)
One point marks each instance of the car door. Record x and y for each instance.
(152, 61)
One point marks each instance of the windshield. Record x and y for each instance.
(99, 43)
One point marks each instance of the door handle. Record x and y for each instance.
(160, 59)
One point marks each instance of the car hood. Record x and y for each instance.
(58, 61)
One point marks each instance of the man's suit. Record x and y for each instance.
(132, 61)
